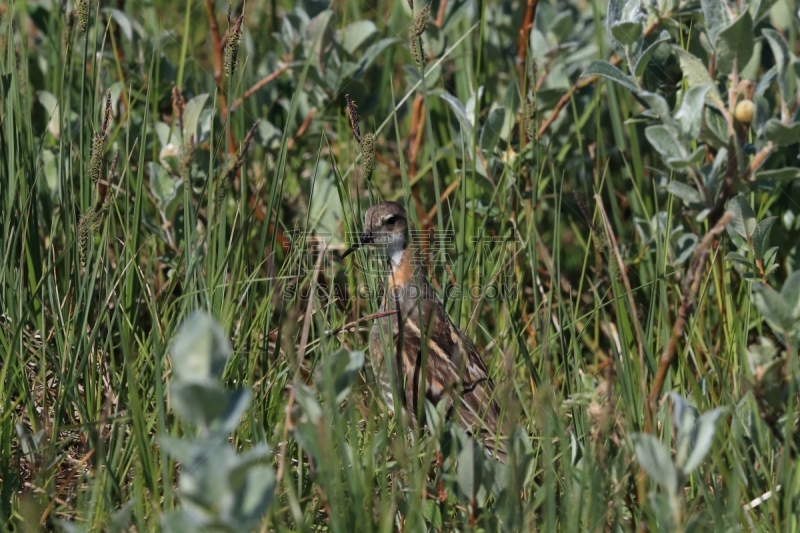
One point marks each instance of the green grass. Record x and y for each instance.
(91, 302)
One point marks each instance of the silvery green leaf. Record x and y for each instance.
(761, 237)
(683, 416)
(665, 142)
(469, 469)
(200, 350)
(204, 125)
(184, 450)
(575, 447)
(205, 492)
(780, 50)
(269, 135)
(687, 193)
(613, 16)
(371, 54)
(744, 219)
(694, 71)
(356, 34)
(306, 399)
(763, 115)
(655, 459)
(760, 8)
(209, 405)
(252, 483)
(716, 167)
(604, 69)
(319, 28)
(766, 80)
(690, 114)
(434, 417)
(29, 442)
(432, 75)
(50, 170)
(125, 23)
(460, 110)
(716, 16)
(684, 163)
(490, 134)
(734, 44)
(51, 106)
(779, 174)
(340, 369)
(178, 521)
(684, 247)
(736, 257)
(658, 104)
(254, 494)
(702, 438)
(472, 101)
(121, 519)
(163, 132)
(627, 32)
(191, 115)
(774, 308)
(782, 134)
(647, 54)
(715, 130)
(790, 292)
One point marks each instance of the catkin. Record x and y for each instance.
(232, 46)
(368, 155)
(420, 24)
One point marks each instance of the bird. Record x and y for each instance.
(410, 312)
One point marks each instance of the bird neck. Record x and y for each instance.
(400, 261)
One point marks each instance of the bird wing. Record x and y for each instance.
(454, 369)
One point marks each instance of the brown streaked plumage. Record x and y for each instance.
(454, 365)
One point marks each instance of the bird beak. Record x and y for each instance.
(365, 238)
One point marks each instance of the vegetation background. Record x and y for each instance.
(624, 174)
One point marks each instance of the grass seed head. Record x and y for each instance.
(232, 45)
(368, 155)
(98, 143)
(178, 106)
(84, 225)
(96, 157)
(352, 110)
(530, 118)
(82, 10)
(420, 24)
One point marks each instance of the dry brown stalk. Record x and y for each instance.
(691, 285)
(524, 33)
(258, 85)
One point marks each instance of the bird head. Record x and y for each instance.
(384, 223)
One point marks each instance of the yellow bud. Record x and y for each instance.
(745, 111)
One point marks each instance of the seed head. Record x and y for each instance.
(368, 155)
(98, 143)
(352, 110)
(420, 24)
(232, 46)
(530, 118)
(82, 9)
(178, 106)
(84, 224)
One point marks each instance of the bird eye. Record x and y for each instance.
(391, 219)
